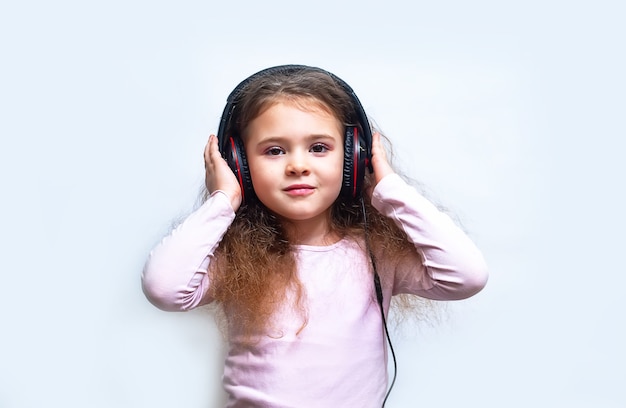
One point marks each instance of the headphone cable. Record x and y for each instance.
(379, 298)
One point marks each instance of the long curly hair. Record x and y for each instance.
(254, 266)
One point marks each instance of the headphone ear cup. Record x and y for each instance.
(235, 156)
(346, 187)
(353, 164)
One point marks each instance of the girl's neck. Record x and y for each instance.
(310, 233)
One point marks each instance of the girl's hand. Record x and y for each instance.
(218, 175)
(380, 164)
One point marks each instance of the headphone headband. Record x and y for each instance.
(292, 69)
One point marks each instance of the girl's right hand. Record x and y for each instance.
(218, 175)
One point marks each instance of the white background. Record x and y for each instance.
(510, 113)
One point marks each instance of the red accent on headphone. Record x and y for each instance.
(355, 160)
(234, 153)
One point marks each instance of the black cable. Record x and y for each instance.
(379, 298)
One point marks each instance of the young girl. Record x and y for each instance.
(305, 235)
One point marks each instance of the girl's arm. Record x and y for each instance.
(447, 265)
(175, 275)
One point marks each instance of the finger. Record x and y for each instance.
(377, 146)
(207, 149)
(375, 138)
(214, 150)
(380, 163)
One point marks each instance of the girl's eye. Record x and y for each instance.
(319, 148)
(274, 151)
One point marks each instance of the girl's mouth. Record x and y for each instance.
(299, 189)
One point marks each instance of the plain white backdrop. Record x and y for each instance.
(510, 113)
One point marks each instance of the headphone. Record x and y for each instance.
(357, 138)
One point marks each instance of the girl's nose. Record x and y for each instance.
(297, 166)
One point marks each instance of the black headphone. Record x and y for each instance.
(357, 140)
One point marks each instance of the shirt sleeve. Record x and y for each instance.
(447, 265)
(175, 275)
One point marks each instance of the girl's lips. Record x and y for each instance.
(299, 189)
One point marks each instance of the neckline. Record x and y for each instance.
(319, 248)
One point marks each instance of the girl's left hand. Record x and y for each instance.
(380, 164)
(218, 175)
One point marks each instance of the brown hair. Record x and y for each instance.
(254, 264)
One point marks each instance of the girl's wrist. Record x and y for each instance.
(235, 201)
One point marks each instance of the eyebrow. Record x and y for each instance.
(310, 138)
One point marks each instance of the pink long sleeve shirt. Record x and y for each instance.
(339, 359)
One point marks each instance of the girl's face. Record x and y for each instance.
(295, 156)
